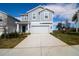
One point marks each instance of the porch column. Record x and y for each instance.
(28, 27)
(17, 27)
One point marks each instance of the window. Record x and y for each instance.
(46, 15)
(34, 16)
(0, 19)
(24, 18)
(39, 13)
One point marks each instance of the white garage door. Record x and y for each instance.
(39, 29)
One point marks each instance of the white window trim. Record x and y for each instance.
(45, 15)
(32, 16)
(24, 18)
(1, 19)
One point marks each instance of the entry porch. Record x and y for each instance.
(23, 26)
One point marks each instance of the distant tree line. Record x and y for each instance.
(66, 26)
(63, 26)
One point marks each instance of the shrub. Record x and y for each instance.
(10, 35)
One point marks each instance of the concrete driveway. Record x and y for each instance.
(41, 45)
(40, 40)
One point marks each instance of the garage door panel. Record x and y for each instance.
(39, 29)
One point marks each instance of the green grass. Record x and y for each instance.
(71, 38)
(11, 42)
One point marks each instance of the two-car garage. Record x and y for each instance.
(39, 29)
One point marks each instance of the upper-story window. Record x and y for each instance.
(34, 16)
(46, 15)
(24, 18)
(0, 18)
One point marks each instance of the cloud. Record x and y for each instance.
(63, 10)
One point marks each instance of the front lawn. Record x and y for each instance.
(71, 38)
(10, 42)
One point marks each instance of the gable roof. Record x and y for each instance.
(9, 16)
(35, 8)
(15, 19)
(40, 6)
(47, 9)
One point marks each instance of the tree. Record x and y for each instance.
(59, 26)
(75, 18)
(67, 24)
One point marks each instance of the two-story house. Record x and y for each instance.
(36, 20)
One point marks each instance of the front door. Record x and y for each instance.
(23, 28)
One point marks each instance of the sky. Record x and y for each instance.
(62, 11)
(16, 9)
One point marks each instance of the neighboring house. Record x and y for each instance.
(7, 23)
(36, 20)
